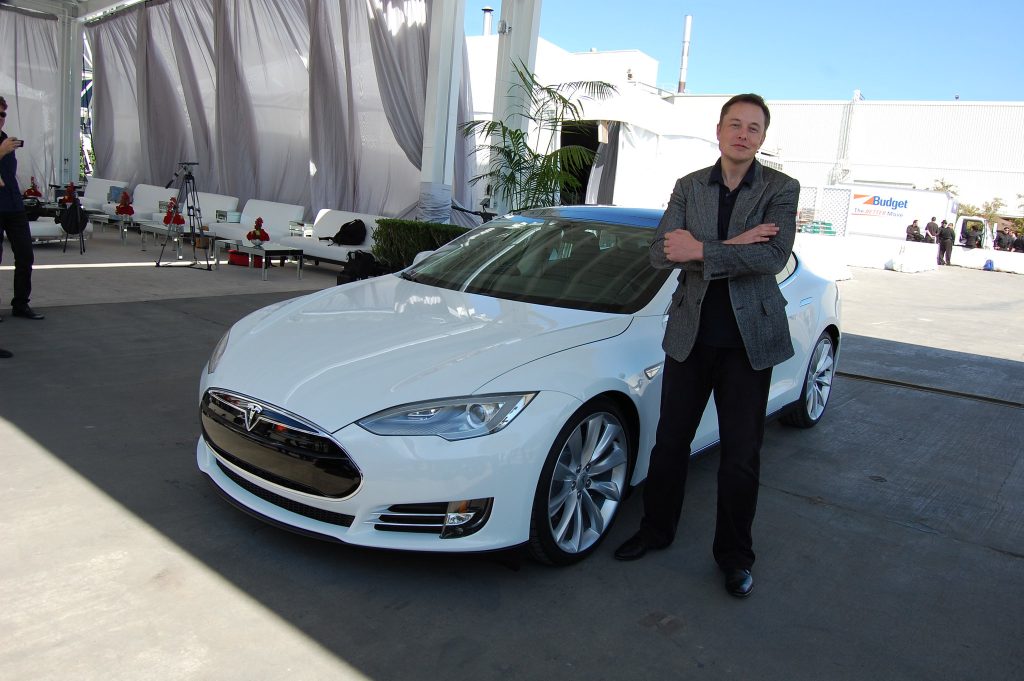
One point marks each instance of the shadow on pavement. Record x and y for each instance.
(957, 372)
(889, 537)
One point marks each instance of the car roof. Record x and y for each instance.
(616, 215)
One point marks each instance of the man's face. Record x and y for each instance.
(3, 119)
(741, 132)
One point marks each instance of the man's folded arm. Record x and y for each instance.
(769, 257)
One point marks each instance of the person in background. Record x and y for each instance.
(931, 231)
(730, 228)
(1004, 241)
(945, 238)
(973, 239)
(14, 222)
(914, 232)
(1018, 243)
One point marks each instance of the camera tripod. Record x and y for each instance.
(188, 196)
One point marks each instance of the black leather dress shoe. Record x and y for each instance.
(739, 582)
(26, 312)
(636, 546)
(6, 354)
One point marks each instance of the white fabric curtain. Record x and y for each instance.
(601, 185)
(157, 102)
(400, 42)
(316, 102)
(30, 82)
(334, 146)
(116, 136)
(399, 33)
(357, 162)
(189, 23)
(164, 124)
(661, 160)
(261, 55)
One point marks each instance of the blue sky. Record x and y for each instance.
(797, 49)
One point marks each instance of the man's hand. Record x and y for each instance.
(681, 246)
(754, 235)
(9, 145)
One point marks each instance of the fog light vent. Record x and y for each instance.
(466, 517)
(446, 519)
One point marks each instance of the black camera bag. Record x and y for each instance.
(360, 265)
(352, 233)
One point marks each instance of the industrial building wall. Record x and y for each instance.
(976, 146)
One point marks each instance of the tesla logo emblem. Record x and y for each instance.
(252, 415)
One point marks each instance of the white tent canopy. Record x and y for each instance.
(315, 102)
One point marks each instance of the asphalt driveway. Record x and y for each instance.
(890, 538)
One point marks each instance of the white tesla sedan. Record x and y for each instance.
(502, 391)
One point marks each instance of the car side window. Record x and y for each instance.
(787, 271)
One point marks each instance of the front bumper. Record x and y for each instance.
(410, 471)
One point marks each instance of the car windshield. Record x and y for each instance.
(584, 265)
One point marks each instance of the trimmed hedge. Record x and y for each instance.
(396, 242)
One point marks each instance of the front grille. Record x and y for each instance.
(419, 518)
(276, 446)
(287, 504)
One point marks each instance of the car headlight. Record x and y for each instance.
(218, 352)
(457, 418)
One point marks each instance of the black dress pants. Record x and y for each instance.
(945, 251)
(15, 225)
(741, 398)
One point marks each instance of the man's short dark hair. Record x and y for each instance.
(747, 98)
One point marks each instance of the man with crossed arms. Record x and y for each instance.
(730, 228)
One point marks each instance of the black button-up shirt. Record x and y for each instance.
(718, 326)
(10, 195)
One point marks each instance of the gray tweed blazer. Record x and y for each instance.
(757, 302)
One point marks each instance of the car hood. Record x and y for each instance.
(347, 352)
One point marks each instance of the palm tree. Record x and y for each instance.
(527, 168)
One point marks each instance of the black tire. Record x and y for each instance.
(582, 484)
(810, 408)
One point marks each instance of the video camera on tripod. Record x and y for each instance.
(183, 167)
(186, 205)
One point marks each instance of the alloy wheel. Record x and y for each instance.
(819, 379)
(588, 482)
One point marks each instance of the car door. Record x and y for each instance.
(802, 310)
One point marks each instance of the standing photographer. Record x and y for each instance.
(14, 221)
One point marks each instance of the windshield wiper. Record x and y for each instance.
(408, 276)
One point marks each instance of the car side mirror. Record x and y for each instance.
(419, 257)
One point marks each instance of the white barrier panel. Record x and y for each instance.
(832, 255)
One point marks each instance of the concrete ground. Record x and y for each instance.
(890, 538)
